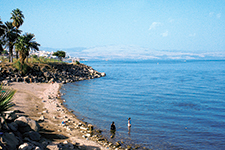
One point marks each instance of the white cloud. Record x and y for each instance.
(154, 25)
(165, 34)
(218, 15)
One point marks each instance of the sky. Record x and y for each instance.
(185, 25)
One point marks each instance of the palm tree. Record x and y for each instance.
(17, 18)
(21, 47)
(2, 32)
(2, 28)
(24, 44)
(9, 38)
(31, 44)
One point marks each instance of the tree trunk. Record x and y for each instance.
(17, 55)
(11, 53)
(1, 48)
(22, 64)
(27, 54)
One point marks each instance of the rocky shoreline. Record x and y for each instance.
(23, 133)
(51, 72)
(48, 112)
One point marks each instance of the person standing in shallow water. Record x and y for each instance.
(129, 122)
(113, 129)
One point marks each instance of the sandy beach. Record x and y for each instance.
(41, 101)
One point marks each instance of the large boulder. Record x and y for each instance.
(10, 140)
(13, 126)
(26, 124)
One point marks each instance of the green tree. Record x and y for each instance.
(2, 32)
(60, 54)
(24, 44)
(2, 28)
(17, 17)
(10, 37)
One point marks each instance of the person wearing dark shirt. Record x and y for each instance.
(113, 129)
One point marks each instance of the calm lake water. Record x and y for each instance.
(172, 104)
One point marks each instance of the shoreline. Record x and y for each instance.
(41, 102)
(119, 144)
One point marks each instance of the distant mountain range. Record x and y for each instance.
(135, 52)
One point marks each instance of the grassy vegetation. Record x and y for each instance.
(4, 59)
(33, 59)
(44, 60)
(25, 67)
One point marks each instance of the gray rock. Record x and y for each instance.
(18, 136)
(32, 135)
(22, 121)
(13, 126)
(36, 144)
(19, 79)
(13, 80)
(103, 74)
(5, 82)
(42, 118)
(26, 146)
(10, 115)
(47, 74)
(37, 148)
(10, 140)
(52, 147)
(118, 144)
(27, 79)
(26, 124)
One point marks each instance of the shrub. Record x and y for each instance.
(25, 67)
(77, 62)
(60, 54)
(34, 56)
(4, 52)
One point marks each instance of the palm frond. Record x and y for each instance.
(6, 96)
